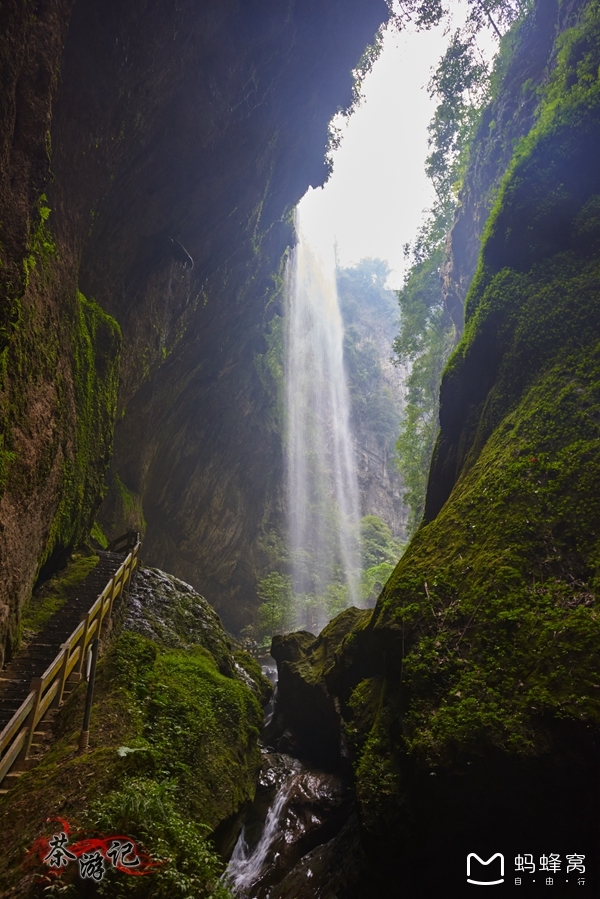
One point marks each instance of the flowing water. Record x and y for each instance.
(322, 485)
(247, 864)
(296, 813)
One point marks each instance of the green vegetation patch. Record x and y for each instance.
(50, 597)
(95, 348)
(499, 591)
(98, 535)
(174, 751)
(498, 596)
(71, 363)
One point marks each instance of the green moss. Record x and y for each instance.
(49, 598)
(363, 707)
(7, 457)
(192, 736)
(98, 535)
(95, 371)
(195, 719)
(71, 361)
(378, 781)
(508, 622)
(131, 512)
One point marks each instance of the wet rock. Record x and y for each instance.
(331, 871)
(296, 810)
(171, 613)
(306, 719)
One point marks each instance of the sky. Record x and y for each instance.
(376, 198)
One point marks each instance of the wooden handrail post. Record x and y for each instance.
(65, 649)
(82, 641)
(116, 589)
(106, 617)
(30, 722)
(84, 737)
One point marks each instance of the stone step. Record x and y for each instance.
(40, 652)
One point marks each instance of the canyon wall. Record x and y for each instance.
(151, 155)
(467, 704)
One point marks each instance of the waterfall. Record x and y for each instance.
(246, 865)
(322, 486)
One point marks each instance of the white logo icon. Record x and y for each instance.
(485, 883)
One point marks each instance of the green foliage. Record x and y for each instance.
(460, 83)
(98, 535)
(188, 864)
(364, 66)
(194, 718)
(193, 760)
(173, 752)
(374, 579)
(41, 246)
(276, 614)
(274, 547)
(378, 544)
(424, 343)
(427, 13)
(52, 595)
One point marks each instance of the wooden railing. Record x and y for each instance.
(46, 692)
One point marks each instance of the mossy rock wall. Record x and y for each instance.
(471, 699)
(58, 401)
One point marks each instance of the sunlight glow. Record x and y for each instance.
(376, 198)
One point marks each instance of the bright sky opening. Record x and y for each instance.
(377, 196)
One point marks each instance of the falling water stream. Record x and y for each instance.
(323, 525)
(321, 472)
(247, 864)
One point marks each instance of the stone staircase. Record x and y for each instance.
(40, 653)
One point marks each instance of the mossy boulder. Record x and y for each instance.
(306, 720)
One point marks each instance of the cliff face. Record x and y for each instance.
(509, 117)
(150, 156)
(59, 350)
(468, 702)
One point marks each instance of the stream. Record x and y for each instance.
(300, 832)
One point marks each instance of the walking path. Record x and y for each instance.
(16, 677)
(37, 681)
